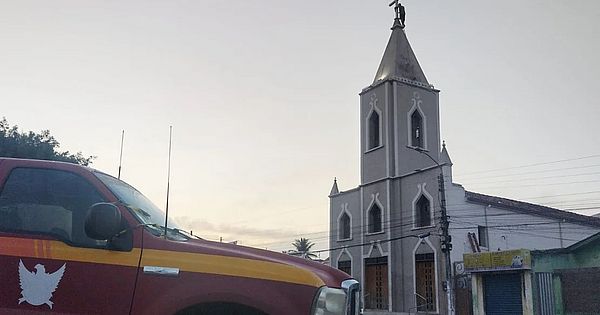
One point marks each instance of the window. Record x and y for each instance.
(417, 134)
(373, 136)
(423, 212)
(482, 235)
(143, 208)
(344, 227)
(345, 266)
(375, 224)
(51, 202)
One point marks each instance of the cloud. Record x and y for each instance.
(243, 233)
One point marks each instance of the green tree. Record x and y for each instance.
(304, 246)
(31, 145)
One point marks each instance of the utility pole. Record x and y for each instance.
(446, 239)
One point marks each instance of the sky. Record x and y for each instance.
(263, 99)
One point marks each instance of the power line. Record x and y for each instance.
(359, 226)
(537, 172)
(427, 234)
(536, 197)
(410, 221)
(535, 178)
(368, 243)
(531, 165)
(329, 233)
(507, 229)
(505, 225)
(542, 184)
(566, 210)
(571, 194)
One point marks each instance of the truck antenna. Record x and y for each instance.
(121, 154)
(168, 180)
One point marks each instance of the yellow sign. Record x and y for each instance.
(494, 261)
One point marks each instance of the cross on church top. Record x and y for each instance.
(400, 12)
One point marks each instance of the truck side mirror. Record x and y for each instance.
(103, 221)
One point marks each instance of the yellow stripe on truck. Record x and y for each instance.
(47, 249)
(230, 266)
(62, 251)
(189, 262)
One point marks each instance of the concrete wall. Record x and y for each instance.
(408, 99)
(586, 257)
(506, 228)
(395, 102)
(350, 203)
(405, 191)
(375, 162)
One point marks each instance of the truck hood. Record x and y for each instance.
(246, 261)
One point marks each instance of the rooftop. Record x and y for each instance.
(533, 209)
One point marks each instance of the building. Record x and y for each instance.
(567, 280)
(386, 231)
(546, 282)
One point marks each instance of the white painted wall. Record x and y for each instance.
(506, 228)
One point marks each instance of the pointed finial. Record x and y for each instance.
(445, 157)
(334, 188)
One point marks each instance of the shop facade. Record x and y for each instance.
(501, 282)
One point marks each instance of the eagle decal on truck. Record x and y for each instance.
(37, 286)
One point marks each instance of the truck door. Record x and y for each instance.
(47, 262)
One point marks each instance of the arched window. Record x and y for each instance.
(345, 266)
(373, 135)
(417, 134)
(375, 224)
(423, 212)
(344, 227)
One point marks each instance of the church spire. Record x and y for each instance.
(444, 156)
(399, 60)
(334, 188)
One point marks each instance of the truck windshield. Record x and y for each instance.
(142, 207)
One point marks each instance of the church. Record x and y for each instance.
(388, 232)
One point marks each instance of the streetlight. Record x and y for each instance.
(446, 241)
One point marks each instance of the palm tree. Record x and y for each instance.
(303, 246)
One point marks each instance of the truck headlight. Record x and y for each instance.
(330, 301)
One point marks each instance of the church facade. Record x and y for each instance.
(386, 232)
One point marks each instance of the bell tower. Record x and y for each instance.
(399, 112)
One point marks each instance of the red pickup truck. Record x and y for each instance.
(74, 240)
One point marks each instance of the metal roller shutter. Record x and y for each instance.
(502, 294)
(545, 296)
